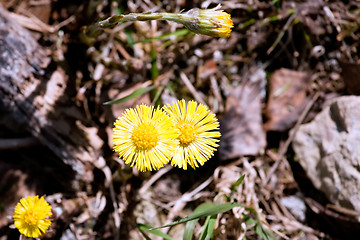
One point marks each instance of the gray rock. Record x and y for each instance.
(328, 148)
(296, 206)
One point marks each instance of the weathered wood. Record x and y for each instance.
(35, 96)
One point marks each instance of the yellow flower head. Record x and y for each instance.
(31, 216)
(213, 22)
(145, 137)
(198, 130)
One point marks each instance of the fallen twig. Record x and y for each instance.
(283, 149)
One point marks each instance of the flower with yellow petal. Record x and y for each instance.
(31, 216)
(145, 137)
(213, 22)
(198, 133)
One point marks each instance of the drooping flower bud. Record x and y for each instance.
(213, 22)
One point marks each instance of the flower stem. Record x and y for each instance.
(90, 33)
(213, 22)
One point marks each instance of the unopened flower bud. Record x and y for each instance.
(213, 22)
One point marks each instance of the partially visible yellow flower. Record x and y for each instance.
(213, 22)
(145, 137)
(31, 216)
(198, 130)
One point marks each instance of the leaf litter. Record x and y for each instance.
(312, 45)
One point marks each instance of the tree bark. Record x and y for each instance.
(34, 95)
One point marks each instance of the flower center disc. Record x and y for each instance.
(31, 218)
(187, 134)
(144, 136)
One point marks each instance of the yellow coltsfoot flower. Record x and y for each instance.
(198, 130)
(213, 22)
(145, 137)
(31, 216)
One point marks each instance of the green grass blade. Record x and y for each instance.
(204, 232)
(156, 96)
(190, 225)
(181, 32)
(154, 67)
(145, 227)
(211, 226)
(129, 36)
(208, 227)
(120, 10)
(189, 229)
(237, 183)
(145, 235)
(134, 94)
(260, 231)
(210, 210)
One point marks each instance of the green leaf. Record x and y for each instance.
(204, 232)
(208, 227)
(181, 32)
(156, 96)
(210, 210)
(189, 229)
(237, 183)
(134, 94)
(129, 36)
(265, 234)
(246, 23)
(190, 225)
(211, 225)
(154, 67)
(145, 227)
(260, 231)
(251, 221)
(145, 235)
(120, 10)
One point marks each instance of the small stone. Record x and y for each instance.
(296, 206)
